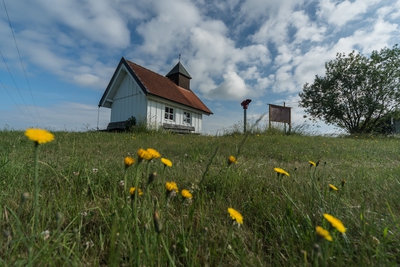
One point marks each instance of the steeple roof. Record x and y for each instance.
(180, 69)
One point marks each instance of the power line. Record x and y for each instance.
(13, 100)
(12, 77)
(23, 68)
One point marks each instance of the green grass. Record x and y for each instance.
(93, 222)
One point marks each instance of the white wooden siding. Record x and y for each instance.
(197, 121)
(155, 114)
(156, 109)
(128, 101)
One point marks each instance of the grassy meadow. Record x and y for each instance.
(78, 210)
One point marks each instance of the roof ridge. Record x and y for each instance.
(146, 68)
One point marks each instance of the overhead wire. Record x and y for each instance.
(14, 101)
(23, 68)
(16, 86)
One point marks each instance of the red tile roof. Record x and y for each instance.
(161, 86)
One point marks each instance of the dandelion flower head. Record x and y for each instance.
(335, 223)
(332, 187)
(235, 215)
(128, 161)
(171, 186)
(232, 160)
(323, 233)
(166, 162)
(186, 194)
(144, 154)
(39, 135)
(281, 171)
(153, 153)
(133, 189)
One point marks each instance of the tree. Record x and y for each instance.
(356, 92)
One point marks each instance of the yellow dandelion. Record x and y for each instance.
(171, 186)
(166, 162)
(312, 163)
(235, 215)
(153, 153)
(128, 161)
(323, 233)
(186, 194)
(132, 191)
(335, 223)
(281, 171)
(39, 136)
(232, 160)
(332, 187)
(143, 154)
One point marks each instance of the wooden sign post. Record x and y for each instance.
(280, 114)
(245, 105)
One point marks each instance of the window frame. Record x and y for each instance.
(187, 120)
(169, 114)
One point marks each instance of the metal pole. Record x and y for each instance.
(284, 104)
(98, 116)
(245, 120)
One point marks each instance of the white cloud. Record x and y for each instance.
(306, 30)
(165, 32)
(373, 38)
(256, 9)
(255, 54)
(394, 12)
(211, 48)
(232, 88)
(86, 79)
(272, 31)
(224, 5)
(97, 21)
(215, 55)
(284, 80)
(345, 11)
(311, 64)
(274, 26)
(44, 56)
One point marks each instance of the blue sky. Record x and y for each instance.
(233, 49)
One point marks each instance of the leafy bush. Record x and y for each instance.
(130, 124)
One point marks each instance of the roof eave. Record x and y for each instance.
(201, 110)
(108, 88)
(130, 71)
